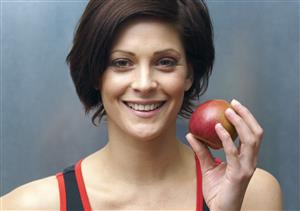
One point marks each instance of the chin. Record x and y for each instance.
(146, 134)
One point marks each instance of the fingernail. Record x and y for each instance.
(229, 111)
(235, 102)
(187, 136)
(219, 125)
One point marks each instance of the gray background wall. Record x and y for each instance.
(43, 126)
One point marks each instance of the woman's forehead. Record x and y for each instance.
(147, 33)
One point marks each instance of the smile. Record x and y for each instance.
(144, 107)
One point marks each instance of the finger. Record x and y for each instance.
(248, 118)
(240, 125)
(203, 153)
(248, 155)
(249, 142)
(231, 152)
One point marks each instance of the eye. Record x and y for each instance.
(121, 63)
(167, 62)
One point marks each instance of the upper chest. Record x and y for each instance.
(174, 193)
(180, 196)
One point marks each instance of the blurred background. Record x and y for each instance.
(43, 125)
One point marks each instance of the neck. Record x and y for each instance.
(144, 161)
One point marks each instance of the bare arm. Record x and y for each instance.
(263, 193)
(41, 194)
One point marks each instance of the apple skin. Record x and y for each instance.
(205, 117)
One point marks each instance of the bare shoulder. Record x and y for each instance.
(263, 192)
(36, 195)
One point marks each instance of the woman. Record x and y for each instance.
(140, 63)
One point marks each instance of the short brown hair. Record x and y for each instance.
(97, 29)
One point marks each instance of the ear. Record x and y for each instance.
(190, 78)
(188, 83)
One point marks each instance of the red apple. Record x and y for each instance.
(205, 117)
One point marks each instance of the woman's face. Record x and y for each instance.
(143, 86)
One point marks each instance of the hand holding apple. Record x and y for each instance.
(225, 184)
(205, 117)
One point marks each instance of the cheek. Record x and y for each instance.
(112, 86)
(175, 83)
(175, 87)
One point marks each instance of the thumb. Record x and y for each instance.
(203, 153)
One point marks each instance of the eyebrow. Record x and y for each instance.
(155, 53)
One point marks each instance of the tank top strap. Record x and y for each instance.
(62, 191)
(81, 187)
(200, 202)
(72, 190)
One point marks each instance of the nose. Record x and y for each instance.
(144, 80)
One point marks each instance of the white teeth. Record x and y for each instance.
(139, 107)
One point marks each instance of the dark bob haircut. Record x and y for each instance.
(98, 27)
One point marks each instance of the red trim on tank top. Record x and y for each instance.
(199, 194)
(62, 191)
(81, 187)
